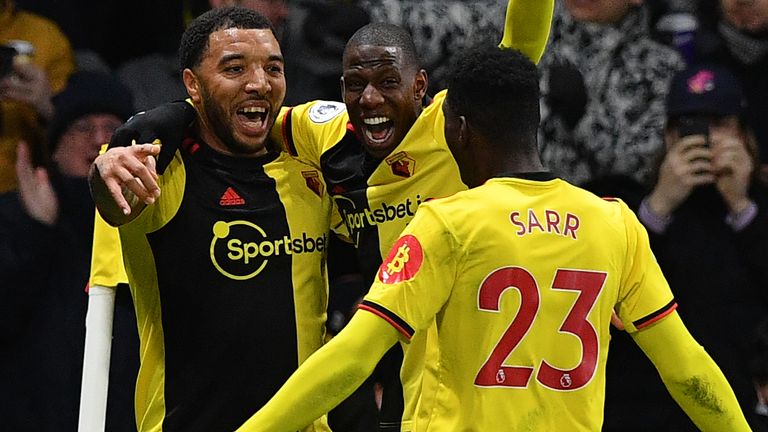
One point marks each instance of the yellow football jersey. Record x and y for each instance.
(376, 199)
(521, 276)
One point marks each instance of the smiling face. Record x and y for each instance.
(383, 95)
(238, 88)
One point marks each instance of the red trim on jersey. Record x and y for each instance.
(656, 316)
(389, 317)
(287, 132)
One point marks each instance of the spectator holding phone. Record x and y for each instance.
(708, 225)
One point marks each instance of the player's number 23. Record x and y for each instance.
(494, 373)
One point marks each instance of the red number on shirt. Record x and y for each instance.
(494, 373)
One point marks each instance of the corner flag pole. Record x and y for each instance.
(107, 272)
(98, 349)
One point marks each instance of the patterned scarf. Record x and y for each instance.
(745, 48)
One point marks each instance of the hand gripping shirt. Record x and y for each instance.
(227, 271)
(522, 277)
(376, 199)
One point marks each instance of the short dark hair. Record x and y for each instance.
(386, 35)
(497, 91)
(194, 41)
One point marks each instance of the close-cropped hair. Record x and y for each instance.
(496, 90)
(385, 35)
(194, 41)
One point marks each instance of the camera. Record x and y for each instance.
(7, 54)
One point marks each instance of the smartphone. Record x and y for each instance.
(694, 125)
(6, 60)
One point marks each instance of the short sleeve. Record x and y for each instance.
(306, 130)
(644, 296)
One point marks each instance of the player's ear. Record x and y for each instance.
(463, 137)
(343, 90)
(192, 84)
(420, 83)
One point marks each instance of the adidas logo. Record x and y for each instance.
(231, 198)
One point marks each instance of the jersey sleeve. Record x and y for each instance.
(171, 182)
(527, 26)
(306, 130)
(644, 296)
(417, 276)
(107, 267)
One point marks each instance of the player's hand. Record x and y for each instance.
(687, 164)
(733, 169)
(616, 321)
(35, 189)
(130, 169)
(167, 123)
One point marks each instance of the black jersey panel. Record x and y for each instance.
(225, 293)
(346, 169)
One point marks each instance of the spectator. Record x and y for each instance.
(735, 33)
(45, 239)
(708, 224)
(41, 66)
(604, 80)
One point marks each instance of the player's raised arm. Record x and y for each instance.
(691, 376)
(526, 27)
(329, 375)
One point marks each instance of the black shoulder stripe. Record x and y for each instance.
(388, 316)
(288, 132)
(655, 316)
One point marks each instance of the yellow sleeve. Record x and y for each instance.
(691, 376)
(306, 130)
(107, 267)
(526, 27)
(329, 375)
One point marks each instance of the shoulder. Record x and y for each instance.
(320, 112)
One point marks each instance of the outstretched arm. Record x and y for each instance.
(691, 376)
(327, 377)
(526, 27)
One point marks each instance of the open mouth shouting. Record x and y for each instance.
(253, 119)
(378, 130)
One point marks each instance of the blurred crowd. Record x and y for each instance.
(662, 103)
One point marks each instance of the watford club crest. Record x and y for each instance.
(312, 179)
(403, 262)
(402, 165)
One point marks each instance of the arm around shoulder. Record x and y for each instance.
(123, 180)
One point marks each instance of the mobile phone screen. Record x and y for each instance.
(6, 60)
(693, 125)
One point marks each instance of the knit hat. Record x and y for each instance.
(88, 93)
(704, 89)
